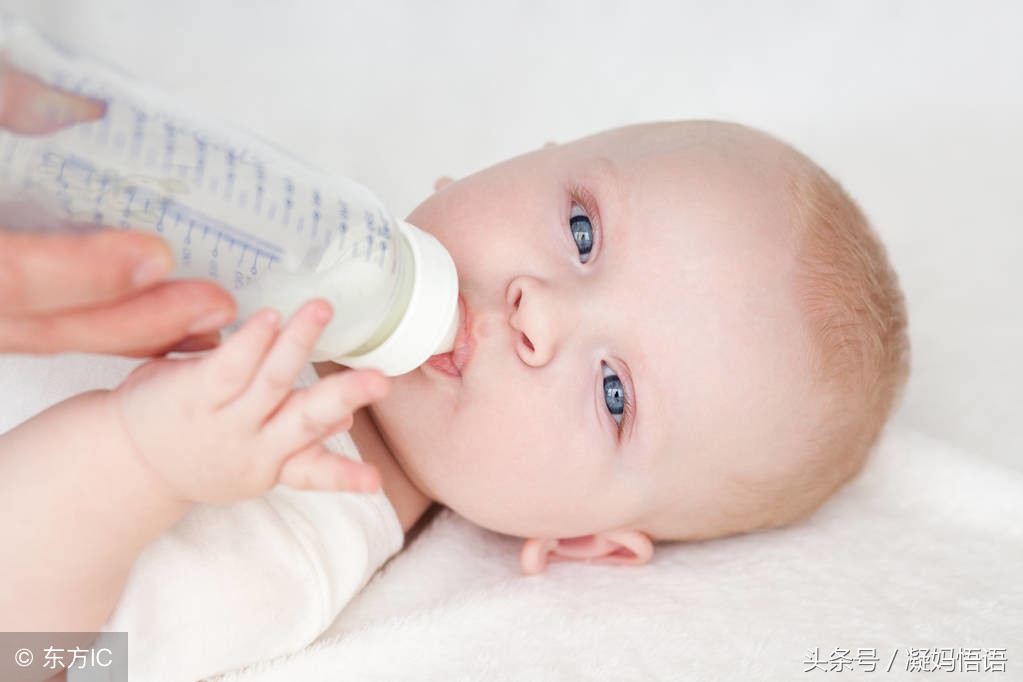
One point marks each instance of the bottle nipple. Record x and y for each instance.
(447, 344)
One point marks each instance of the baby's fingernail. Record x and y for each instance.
(152, 270)
(210, 321)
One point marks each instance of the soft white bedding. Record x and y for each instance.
(914, 106)
(922, 551)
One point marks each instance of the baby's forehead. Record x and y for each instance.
(702, 198)
(707, 140)
(703, 232)
(705, 174)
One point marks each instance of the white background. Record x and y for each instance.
(914, 106)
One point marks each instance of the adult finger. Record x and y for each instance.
(150, 323)
(28, 106)
(317, 468)
(47, 273)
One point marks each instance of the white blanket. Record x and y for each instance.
(921, 551)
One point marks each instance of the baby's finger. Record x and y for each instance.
(276, 375)
(317, 468)
(228, 371)
(312, 414)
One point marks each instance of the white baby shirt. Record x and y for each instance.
(231, 585)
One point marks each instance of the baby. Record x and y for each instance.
(672, 331)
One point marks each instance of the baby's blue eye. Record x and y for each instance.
(582, 231)
(614, 395)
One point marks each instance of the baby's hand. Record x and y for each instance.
(229, 426)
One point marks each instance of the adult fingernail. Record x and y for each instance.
(60, 108)
(194, 344)
(152, 270)
(207, 323)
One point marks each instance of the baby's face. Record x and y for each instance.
(637, 354)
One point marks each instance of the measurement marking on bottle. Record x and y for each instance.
(171, 197)
(131, 198)
(102, 190)
(163, 213)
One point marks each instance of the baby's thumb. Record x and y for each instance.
(317, 468)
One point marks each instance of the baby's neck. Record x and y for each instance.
(408, 502)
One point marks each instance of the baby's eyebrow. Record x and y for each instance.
(610, 180)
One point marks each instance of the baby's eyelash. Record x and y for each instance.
(582, 196)
(628, 409)
(629, 412)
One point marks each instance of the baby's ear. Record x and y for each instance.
(618, 547)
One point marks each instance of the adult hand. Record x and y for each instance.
(102, 293)
(98, 292)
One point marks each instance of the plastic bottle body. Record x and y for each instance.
(270, 229)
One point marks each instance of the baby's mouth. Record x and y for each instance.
(454, 361)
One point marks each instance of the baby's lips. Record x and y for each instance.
(29, 106)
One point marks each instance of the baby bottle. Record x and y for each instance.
(270, 229)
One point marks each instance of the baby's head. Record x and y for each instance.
(678, 331)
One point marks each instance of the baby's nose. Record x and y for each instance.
(532, 316)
